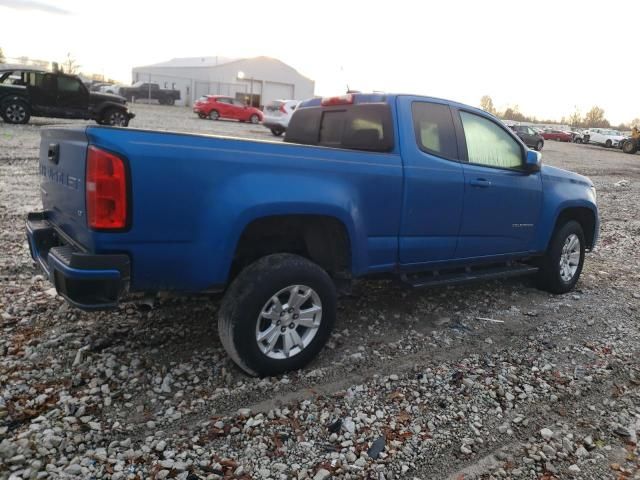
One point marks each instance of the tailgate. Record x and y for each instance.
(63, 154)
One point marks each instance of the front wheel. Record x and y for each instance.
(214, 115)
(539, 145)
(277, 131)
(277, 314)
(254, 118)
(114, 117)
(562, 264)
(608, 144)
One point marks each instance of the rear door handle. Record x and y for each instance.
(480, 182)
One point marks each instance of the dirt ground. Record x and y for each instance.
(490, 380)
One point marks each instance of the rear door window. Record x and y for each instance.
(434, 130)
(366, 126)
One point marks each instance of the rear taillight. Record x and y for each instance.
(106, 190)
(282, 109)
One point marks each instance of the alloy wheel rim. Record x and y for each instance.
(117, 119)
(16, 113)
(288, 322)
(570, 257)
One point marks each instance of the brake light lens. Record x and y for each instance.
(282, 109)
(106, 190)
(339, 100)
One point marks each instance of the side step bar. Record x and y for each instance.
(436, 278)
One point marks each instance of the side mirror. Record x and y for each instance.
(533, 162)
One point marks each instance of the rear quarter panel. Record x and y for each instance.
(193, 196)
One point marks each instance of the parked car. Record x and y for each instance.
(25, 93)
(277, 115)
(557, 135)
(142, 90)
(603, 136)
(529, 136)
(431, 191)
(111, 88)
(220, 106)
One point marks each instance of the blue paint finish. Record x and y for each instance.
(197, 194)
(562, 190)
(192, 196)
(432, 200)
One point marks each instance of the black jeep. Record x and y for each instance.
(25, 93)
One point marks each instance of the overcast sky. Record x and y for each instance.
(548, 57)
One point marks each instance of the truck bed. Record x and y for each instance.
(191, 196)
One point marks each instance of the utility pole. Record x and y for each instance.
(149, 88)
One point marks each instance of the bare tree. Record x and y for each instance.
(70, 65)
(575, 119)
(635, 122)
(486, 104)
(595, 118)
(2, 57)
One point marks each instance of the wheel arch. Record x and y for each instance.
(322, 238)
(101, 108)
(585, 216)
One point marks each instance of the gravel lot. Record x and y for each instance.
(486, 381)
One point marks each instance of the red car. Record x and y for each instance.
(219, 106)
(557, 135)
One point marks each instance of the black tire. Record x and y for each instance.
(214, 115)
(202, 115)
(608, 143)
(578, 140)
(539, 145)
(630, 146)
(585, 139)
(254, 119)
(277, 131)
(170, 101)
(549, 276)
(15, 111)
(251, 292)
(115, 117)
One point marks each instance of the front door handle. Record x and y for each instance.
(480, 182)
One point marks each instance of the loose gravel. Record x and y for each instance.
(487, 381)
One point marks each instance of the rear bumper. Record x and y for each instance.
(87, 281)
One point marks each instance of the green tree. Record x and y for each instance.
(486, 104)
(595, 118)
(2, 57)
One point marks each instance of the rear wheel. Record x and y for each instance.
(214, 115)
(562, 264)
(202, 115)
(608, 144)
(254, 118)
(277, 314)
(539, 145)
(630, 146)
(277, 131)
(15, 111)
(170, 101)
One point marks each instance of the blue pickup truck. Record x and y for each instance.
(431, 191)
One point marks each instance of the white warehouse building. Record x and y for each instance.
(258, 80)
